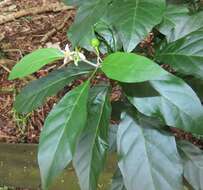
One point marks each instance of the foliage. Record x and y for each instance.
(159, 77)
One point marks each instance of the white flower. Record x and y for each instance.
(75, 56)
(67, 55)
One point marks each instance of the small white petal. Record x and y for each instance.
(67, 48)
(81, 56)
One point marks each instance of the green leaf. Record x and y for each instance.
(131, 68)
(34, 61)
(197, 86)
(172, 14)
(108, 33)
(185, 55)
(117, 181)
(60, 133)
(134, 19)
(92, 148)
(179, 23)
(29, 99)
(152, 154)
(171, 100)
(148, 157)
(193, 164)
(87, 15)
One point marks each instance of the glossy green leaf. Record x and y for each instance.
(60, 133)
(92, 147)
(172, 14)
(134, 19)
(193, 164)
(131, 68)
(36, 92)
(185, 55)
(179, 23)
(87, 15)
(117, 181)
(196, 85)
(148, 158)
(34, 61)
(171, 100)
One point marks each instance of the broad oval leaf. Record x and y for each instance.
(196, 85)
(185, 55)
(36, 92)
(60, 133)
(131, 68)
(91, 151)
(148, 157)
(34, 61)
(134, 19)
(193, 164)
(173, 14)
(171, 100)
(178, 22)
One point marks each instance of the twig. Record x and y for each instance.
(54, 30)
(55, 7)
(5, 68)
(2, 36)
(4, 62)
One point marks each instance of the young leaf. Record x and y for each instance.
(34, 61)
(36, 92)
(193, 164)
(148, 157)
(92, 148)
(131, 68)
(117, 181)
(185, 55)
(171, 100)
(108, 33)
(179, 23)
(134, 19)
(60, 133)
(87, 15)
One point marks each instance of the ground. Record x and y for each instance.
(20, 37)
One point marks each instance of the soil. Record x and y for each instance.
(20, 37)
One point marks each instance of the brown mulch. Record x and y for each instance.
(17, 39)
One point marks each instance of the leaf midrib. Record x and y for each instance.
(96, 134)
(64, 128)
(146, 151)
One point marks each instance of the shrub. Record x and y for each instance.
(153, 50)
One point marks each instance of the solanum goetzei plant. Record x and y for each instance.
(153, 50)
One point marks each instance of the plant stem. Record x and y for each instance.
(90, 63)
